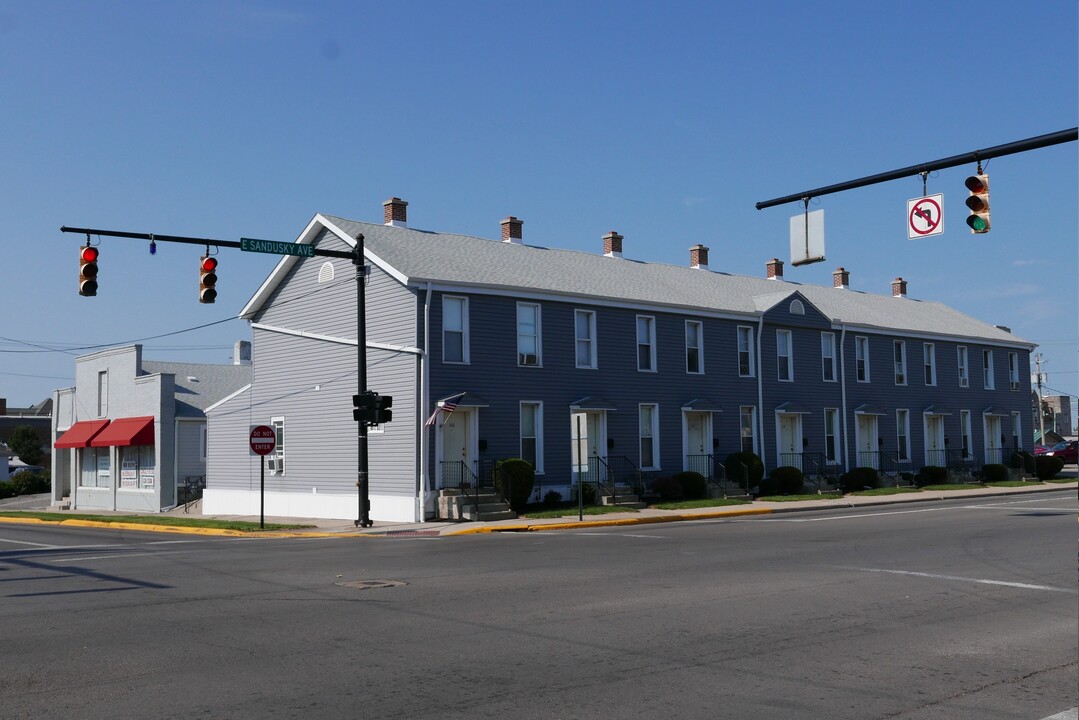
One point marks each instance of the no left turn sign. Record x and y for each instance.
(925, 216)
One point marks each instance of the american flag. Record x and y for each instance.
(447, 406)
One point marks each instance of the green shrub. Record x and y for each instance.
(514, 478)
(31, 483)
(994, 472)
(859, 478)
(1022, 460)
(738, 463)
(667, 488)
(6, 490)
(552, 498)
(784, 480)
(693, 484)
(931, 475)
(1047, 466)
(588, 492)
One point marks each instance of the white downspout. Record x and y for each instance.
(425, 382)
(843, 393)
(760, 389)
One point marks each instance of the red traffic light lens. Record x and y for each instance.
(88, 254)
(209, 264)
(975, 184)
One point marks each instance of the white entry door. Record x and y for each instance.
(867, 441)
(790, 440)
(992, 439)
(456, 447)
(934, 441)
(586, 441)
(698, 442)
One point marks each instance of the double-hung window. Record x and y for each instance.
(454, 329)
(861, 357)
(649, 434)
(532, 434)
(103, 393)
(276, 461)
(694, 347)
(964, 429)
(929, 362)
(1017, 437)
(902, 434)
(784, 355)
(1013, 370)
(831, 435)
(646, 343)
(987, 370)
(747, 420)
(745, 351)
(528, 335)
(900, 352)
(827, 355)
(584, 323)
(964, 367)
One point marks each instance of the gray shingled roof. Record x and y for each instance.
(211, 383)
(445, 258)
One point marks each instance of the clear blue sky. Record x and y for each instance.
(663, 121)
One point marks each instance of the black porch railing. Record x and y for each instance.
(820, 473)
(715, 473)
(457, 475)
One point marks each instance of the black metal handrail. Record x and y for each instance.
(457, 475)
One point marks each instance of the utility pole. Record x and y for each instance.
(362, 476)
(1041, 400)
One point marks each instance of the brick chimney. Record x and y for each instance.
(698, 257)
(841, 278)
(511, 231)
(612, 244)
(395, 212)
(899, 288)
(774, 269)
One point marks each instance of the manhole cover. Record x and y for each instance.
(371, 584)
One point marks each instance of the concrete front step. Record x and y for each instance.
(488, 516)
(452, 505)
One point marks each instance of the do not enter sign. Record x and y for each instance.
(263, 440)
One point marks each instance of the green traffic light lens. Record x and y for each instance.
(977, 223)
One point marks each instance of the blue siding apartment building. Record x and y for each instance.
(558, 356)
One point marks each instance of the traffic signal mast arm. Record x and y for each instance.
(1019, 146)
(344, 254)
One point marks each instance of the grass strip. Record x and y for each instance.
(800, 498)
(702, 503)
(571, 511)
(885, 491)
(163, 520)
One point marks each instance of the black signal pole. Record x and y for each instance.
(363, 490)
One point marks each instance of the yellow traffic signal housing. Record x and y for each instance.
(978, 202)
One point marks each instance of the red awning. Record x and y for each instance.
(80, 434)
(126, 431)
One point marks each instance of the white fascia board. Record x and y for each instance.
(226, 399)
(902, 334)
(337, 340)
(581, 300)
(367, 254)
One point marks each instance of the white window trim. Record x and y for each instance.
(789, 355)
(753, 418)
(966, 431)
(902, 345)
(699, 347)
(963, 360)
(1013, 370)
(655, 436)
(651, 342)
(539, 334)
(989, 381)
(1017, 435)
(834, 413)
(538, 404)
(203, 441)
(590, 319)
(103, 393)
(931, 349)
(861, 354)
(464, 330)
(828, 340)
(749, 330)
(275, 461)
(904, 425)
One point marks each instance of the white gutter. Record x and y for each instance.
(760, 389)
(421, 416)
(843, 393)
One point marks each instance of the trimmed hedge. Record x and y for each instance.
(734, 467)
(693, 484)
(860, 478)
(667, 488)
(994, 472)
(1047, 466)
(784, 480)
(514, 478)
(931, 475)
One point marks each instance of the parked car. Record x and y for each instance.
(14, 470)
(1041, 449)
(1069, 450)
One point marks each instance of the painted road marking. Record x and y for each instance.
(38, 545)
(982, 581)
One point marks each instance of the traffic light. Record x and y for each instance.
(207, 279)
(363, 407)
(88, 271)
(383, 414)
(978, 202)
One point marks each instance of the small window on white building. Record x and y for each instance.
(103, 393)
(275, 462)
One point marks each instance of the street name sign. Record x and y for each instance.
(277, 248)
(925, 216)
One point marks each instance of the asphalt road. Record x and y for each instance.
(952, 610)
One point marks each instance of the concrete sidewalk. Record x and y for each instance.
(347, 528)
